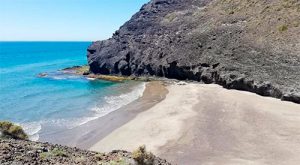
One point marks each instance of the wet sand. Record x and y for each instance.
(207, 124)
(90, 133)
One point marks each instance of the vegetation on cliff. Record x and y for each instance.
(16, 149)
(142, 156)
(26, 152)
(10, 130)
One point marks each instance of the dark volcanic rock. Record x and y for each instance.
(247, 45)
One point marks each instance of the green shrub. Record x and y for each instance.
(59, 152)
(10, 130)
(56, 152)
(142, 157)
(45, 155)
(283, 28)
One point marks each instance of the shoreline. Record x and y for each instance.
(84, 136)
(208, 124)
(262, 88)
(192, 123)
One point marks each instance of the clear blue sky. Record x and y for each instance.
(63, 20)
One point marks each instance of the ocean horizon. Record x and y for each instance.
(58, 101)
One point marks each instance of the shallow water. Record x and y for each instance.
(58, 101)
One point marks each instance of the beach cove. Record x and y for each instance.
(192, 123)
(183, 122)
(150, 82)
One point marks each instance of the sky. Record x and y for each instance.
(64, 20)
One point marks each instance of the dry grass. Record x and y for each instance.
(283, 28)
(53, 153)
(142, 157)
(10, 130)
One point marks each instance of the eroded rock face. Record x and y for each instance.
(237, 44)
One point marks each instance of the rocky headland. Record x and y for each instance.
(15, 148)
(27, 152)
(246, 45)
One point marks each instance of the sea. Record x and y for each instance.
(58, 101)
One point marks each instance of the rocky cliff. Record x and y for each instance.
(23, 152)
(251, 45)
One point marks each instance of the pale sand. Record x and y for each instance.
(207, 124)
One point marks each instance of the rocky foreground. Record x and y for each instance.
(22, 152)
(249, 45)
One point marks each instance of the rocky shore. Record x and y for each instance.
(85, 71)
(23, 152)
(244, 45)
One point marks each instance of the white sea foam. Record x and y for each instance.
(113, 103)
(32, 129)
(110, 104)
(59, 76)
(68, 123)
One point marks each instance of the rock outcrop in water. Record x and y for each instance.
(247, 45)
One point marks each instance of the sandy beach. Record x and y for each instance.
(192, 123)
(207, 124)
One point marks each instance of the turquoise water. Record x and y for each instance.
(58, 101)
